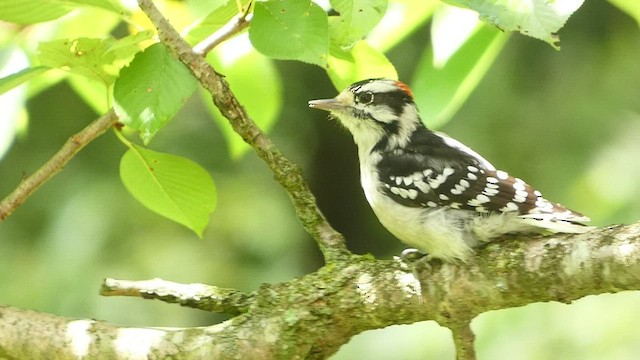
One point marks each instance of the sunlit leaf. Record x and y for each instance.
(83, 56)
(31, 12)
(291, 30)
(400, 20)
(540, 19)
(631, 7)
(9, 82)
(440, 89)
(99, 59)
(212, 22)
(360, 62)
(35, 11)
(356, 19)
(172, 186)
(151, 90)
(94, 93)
(111, 5)
(13, 99)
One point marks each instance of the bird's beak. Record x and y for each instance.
(327, 104)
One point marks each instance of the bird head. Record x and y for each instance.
(373, 109)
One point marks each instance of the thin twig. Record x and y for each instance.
(236, 25)
(197, 296)
(288, 174)
(56, 163)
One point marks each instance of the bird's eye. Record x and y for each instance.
(365, 98)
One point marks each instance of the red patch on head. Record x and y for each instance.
(404, 87)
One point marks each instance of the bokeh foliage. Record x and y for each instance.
(566, 121)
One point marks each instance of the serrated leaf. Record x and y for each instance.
(151, 90)
(128, 46)
(99, 59)
(172, 186)
(540, 19)
(356, 19)
(82, 56)
(241, 73)
(360, 62)
(291, 30)
(9, 82)
(440, 89)
(31, 12)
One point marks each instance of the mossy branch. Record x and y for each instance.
(312, 316)
(197, 296)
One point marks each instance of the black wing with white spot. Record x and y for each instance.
(436, 171)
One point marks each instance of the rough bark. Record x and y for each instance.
(312, 316)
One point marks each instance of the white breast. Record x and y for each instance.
(429, 230)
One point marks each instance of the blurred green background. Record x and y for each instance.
(567, 122)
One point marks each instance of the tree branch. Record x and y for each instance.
(197, 296)
(236, 25)
(288, 174)
(312, 316)
(56, 163)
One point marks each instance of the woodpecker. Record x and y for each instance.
(429, 190)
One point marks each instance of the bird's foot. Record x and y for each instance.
(414, 260)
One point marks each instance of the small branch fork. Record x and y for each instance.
(312, 316)
(373, 294)
(288, 174)
(236, 25)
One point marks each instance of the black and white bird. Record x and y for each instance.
(429, 190)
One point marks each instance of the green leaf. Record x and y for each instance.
(31, 12)
(99, 59)
(630, 7)
(440, 89)
(241, 73)
(361, 62)
(356, 19)
(82, 56)
(111, 5)
(13, 102)
(540, 19)
(291, 30)
(35, 11)
(212, 22)
(151, 90)
(93, 92)
(9, 82)
(172, 186)
(401, 19)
